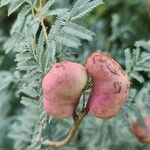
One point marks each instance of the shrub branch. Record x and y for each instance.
(71, 133)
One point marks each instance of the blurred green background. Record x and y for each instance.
(118, 24)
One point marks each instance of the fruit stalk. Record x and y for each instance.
(71, 133)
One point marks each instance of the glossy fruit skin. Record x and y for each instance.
(142, 133)
(62, 87)
(110, 86)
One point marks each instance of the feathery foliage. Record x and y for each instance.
(36, 47)
(138, 62)
(47, 31)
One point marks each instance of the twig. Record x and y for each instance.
(75, 116)
(42, 20)
(30, 3)
(70, 135)
(83, 106)
(41, 126)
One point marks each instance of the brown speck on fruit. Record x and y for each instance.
(60, 66)
(103, 112)
(117, 86)
(101, 60)
(127, 86)
(112, 71)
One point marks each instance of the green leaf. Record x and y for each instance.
(5, 79)
(136, 54)
(76, 6)
(56, 12)
(14, 5)
(53, 51)
(86, 8)
(79, 31)
(68, 40)
(20, 19)
(145, 69)
(4, 2)
(29, 103)
(29, 91)
(48, 5)
(137, 76)
(12, 42)
(128, 60)
(143, 60)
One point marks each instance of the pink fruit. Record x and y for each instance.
(110, 86)
(62, 87)
(142, 133)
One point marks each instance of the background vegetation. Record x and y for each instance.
(34, 34)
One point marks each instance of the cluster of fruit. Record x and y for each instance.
(65, 82)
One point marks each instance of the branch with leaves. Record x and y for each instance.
(36, 50)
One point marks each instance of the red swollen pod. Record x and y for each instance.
(142, 133)
(110, 86)
(62, 88)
